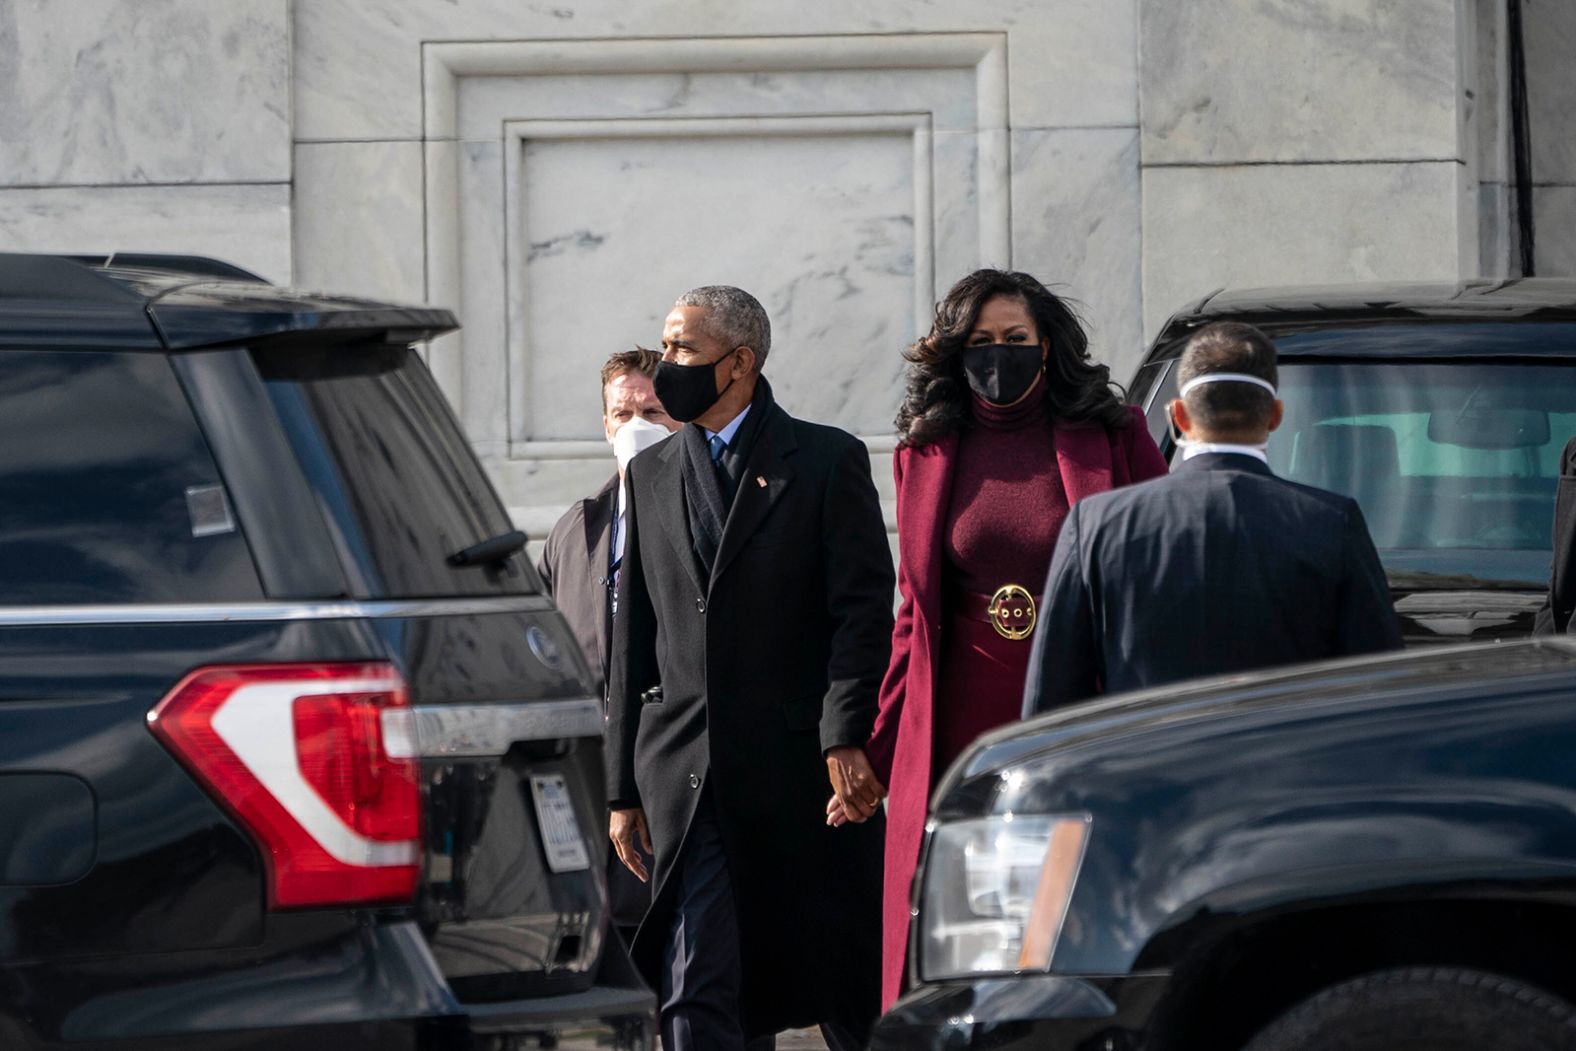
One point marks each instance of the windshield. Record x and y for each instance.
(1454, 463)
(397, 481)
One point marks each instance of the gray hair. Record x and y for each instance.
(733, 316)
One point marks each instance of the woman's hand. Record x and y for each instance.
(835, 815)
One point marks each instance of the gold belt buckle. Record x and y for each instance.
(1012, 612)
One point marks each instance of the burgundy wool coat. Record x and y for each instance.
(1092, 460)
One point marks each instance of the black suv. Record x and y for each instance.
(293, 752)
(1375, 854)
(1441, 408)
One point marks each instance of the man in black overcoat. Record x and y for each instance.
(580, 561)
(757, 591)
(1218, 567)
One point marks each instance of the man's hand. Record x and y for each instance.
(627, 830)
(856, 791)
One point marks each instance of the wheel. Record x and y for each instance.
(1424, 1009)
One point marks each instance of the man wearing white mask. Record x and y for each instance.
(581, 558)
(580, 561)
(1218, 567)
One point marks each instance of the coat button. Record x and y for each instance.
(700, 605)
(694, 781)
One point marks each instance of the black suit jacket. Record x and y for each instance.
(773, 659)
(1218, 567)
(574, 565)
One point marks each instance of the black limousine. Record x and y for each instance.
(1442, 408)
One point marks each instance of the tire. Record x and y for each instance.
(1424, 1009)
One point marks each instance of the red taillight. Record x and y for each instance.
(318, 763)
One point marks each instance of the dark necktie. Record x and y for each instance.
(724, 478)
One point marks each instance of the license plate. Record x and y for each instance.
(555, 820)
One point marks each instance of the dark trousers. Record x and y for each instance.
(701, 963)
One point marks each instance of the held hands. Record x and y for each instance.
(627, 830)
(856, 792)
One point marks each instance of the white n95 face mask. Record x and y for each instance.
(634, 437)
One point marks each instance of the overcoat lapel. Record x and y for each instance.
(766, 476)
(928, 475)
(674, 514)
(1083, 455)
(599, 513)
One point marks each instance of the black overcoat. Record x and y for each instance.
(772, 661)
(574, 566)
(1218, 567)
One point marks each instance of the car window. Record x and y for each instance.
(1163, 390)
(108, 493)
(1453, 463)
(397, 481)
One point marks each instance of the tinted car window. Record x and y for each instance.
(1155, 385)
(398, 482)
(1454, 463)
(108, 493)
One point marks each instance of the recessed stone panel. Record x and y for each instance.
(585, 96)
(819, 227)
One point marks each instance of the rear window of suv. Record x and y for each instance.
(108, 492)
(395, 477)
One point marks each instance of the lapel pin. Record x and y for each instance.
(760, 480)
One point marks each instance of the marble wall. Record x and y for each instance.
(558, 172)
(1290, 141)
(151, 125)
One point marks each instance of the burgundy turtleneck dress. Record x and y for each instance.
(1007, 507)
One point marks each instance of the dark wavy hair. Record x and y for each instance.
(936, 401)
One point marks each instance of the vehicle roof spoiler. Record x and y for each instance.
(193, 301)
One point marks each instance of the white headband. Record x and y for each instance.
(1225, 377)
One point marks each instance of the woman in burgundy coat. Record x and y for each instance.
(1006, 422)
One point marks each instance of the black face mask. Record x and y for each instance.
(1001, 373)
(687, 391)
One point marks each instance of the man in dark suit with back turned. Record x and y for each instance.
(757, 591)
(581, 558)
(1218, 567)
